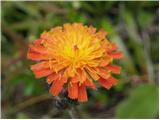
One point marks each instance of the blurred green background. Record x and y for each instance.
(132, 25)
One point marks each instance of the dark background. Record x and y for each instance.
(132, 25)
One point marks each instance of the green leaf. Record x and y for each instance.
(106, 24)
(120, 86)
(31, 85)
(141, 103)
(130, 25)
(145, 19)
(22, 116)
(135, 42)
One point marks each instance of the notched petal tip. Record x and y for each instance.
(73, 91)
(32, 55)
(82, 94)
(42, 73)
(56, 87)
(90, 84)
(114, 68)
(117, 55)
(52, 78)
(108, 83)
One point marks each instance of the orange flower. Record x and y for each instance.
(74, 55)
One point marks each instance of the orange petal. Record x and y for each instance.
(74, 79)
(112, 80)
(73, 91)
(108, 83)
(91, 30)
(82, 94)
(90, 84)
(92, 73)
(44, 35)
(64, 79)
(105, 83)
(38, 41)
(114, 68)
(57, 67)
(81, 76)
(40, 65)
(116, 55)
(101, 34)
(38, 48)
(105, 44)
(56, 87)
(113, 47)
(104, 63)
(35, 56)
(106, 60)
(42, 73)
(52, 78)
(103, 73)
(70, 71)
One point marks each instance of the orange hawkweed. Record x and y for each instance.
(75, 55)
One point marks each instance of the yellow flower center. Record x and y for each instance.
(75, 46)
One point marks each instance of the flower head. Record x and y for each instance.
(74, 57)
